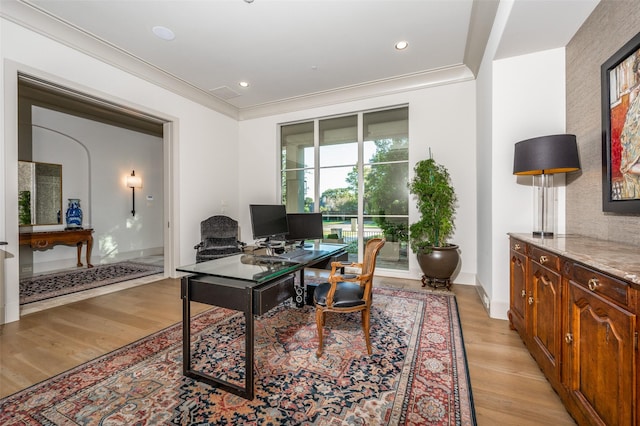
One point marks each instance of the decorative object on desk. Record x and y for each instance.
(346, 294)
(419, 363)
(133, 182)
(47, 286)
(73, 216)
(620, 87)
(542, 157)
(429, 237)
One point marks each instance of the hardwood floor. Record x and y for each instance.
(508, 387)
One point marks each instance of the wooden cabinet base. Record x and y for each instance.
(580, 324)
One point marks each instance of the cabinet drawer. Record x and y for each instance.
(518, 246)
(544, 258)
(597, 282)
(271, 295)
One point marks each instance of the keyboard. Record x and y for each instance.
(292, 254)
(267, 259)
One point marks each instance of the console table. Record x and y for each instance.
(246, 283)
(70, 237)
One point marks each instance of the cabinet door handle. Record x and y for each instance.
(568, 338)
(593, 284)
(543, 259)
(516, 247)
(523, 293)
(531, 300)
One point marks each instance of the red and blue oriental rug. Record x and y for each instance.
(417, 374)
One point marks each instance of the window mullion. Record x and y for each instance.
(360, 185)
(316, 169)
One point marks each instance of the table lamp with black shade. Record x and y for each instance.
(542, 157)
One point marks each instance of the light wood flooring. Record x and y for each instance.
(508, 387)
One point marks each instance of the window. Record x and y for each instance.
(354, 169)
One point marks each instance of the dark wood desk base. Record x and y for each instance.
(251, 299)
(70, 237)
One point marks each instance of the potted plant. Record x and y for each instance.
(429, 236)
(395, 233)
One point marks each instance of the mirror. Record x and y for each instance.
(39, 193)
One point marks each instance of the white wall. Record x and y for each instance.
(528, 100)
(441, 118)
(96, 158)
(201, 158)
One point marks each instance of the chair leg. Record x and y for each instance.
(320, 325)
(365, 328)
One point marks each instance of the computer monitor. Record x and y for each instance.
(304, 226)
(268, 221)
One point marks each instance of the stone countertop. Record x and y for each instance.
(617, 259)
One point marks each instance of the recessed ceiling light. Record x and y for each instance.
(243, 84)
(163, 33)
(401, 45)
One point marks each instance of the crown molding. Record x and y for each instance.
(29, 16)
(22, 13)
(406, 83)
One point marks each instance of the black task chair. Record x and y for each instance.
(348, 293)
(219, 238)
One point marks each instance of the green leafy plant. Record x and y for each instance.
(24, 207)
(436, 202)
(394, 230)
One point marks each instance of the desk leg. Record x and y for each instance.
(186, 327)
(248, 348)
(89, 247)
(247, 392)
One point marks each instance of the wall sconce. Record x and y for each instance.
(542, 157)
(133, 182)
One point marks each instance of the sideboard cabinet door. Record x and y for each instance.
(601, 358)
(518, 292)
(545, 325)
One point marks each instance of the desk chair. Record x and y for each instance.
(348, 293)
(219, 236)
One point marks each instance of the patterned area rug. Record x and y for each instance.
(417, 374)
(43, 287)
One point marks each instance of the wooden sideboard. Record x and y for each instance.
(574, 302)
(70, 237)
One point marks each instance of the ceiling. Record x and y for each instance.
(289, 50)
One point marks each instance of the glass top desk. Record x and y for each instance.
(250, 284)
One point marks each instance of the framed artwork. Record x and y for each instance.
(621, 130)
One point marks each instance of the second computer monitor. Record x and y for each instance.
(304, 226)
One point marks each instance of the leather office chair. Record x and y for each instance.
(219, 238)
(348, 293)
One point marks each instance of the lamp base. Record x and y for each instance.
(543, 234)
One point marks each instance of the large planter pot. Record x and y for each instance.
(438, 265)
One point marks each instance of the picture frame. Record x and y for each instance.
(620, 85)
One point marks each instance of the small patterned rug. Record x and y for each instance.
(34, 289)
(416, 375)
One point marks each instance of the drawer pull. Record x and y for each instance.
(543, 259)
(568, 338)
(516, 246)
(523, 293)
(530, 300)
(593, 284)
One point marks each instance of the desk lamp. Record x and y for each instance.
(541, 158)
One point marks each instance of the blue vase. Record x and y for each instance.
(74, 214)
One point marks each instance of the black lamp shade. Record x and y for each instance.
(546, 155)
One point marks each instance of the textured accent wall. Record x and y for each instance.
(612, 24)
